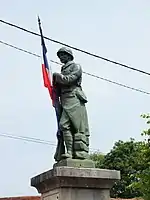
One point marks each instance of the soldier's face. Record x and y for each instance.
(64, 57)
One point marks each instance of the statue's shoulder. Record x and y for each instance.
(75, 66)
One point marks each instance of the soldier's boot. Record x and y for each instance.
(69, 144)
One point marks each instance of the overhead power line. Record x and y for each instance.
(34, 140)
(116, 83)
(28, 52)
(28, 139)
(17, 48)
(87, 73)
(77, 49)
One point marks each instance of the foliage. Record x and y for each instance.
(98, 158)
(132, 159)
(143, 176)
(123, 157)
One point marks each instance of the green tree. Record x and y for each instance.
(143, 176)
(123, 157)
(98, 158)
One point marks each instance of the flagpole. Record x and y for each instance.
(55, 99)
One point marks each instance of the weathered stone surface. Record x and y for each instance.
(69, 177)
(68, 183)
(75, 163)
(76, 194)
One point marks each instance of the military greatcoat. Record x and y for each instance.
(72, 99)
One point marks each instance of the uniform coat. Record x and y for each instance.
(73, 118)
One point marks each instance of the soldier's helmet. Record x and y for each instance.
(66, 50)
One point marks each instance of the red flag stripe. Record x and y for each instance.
(46, 79)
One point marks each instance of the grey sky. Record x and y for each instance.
(115, 29)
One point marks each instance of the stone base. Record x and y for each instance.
(75, 163)
(76, 194)
(68, 183)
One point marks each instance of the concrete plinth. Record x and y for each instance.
(68, 183)
(75, 163)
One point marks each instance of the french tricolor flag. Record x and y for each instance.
(45, 66)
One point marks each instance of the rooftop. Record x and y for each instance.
(38, 198)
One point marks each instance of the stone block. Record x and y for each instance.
(69, 183)
(75, 163)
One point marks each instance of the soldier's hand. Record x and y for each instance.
(56, 76)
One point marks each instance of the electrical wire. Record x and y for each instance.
(35, 140)
(87, 73)
(77, 49)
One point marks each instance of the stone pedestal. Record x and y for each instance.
(69, 183)
(75, 163)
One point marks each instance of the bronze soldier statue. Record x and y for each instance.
(73, 141)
